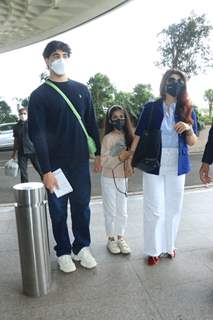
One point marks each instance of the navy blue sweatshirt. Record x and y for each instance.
(57, 135)
(208, 151)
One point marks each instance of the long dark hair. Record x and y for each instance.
(184, 106)
(128, 129)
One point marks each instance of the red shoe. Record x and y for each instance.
(173, 255)
(153, 260)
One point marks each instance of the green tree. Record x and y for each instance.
(43, 76)
(208, 96)
(25, 102)
(200, 119)
(124, 99)
(103, 94)
(5, 112)
(185, 45)
(21, 102)
(142, 93)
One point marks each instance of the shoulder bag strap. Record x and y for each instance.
(150, 116)
(51, 84)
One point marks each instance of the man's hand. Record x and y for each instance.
(50, 181)
(204, 173)
(13, 154)
(97, 164)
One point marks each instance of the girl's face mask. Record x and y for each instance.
(118, 124)
(118, 119)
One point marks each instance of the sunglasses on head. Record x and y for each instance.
(171, 80)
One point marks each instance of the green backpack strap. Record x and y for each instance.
(90, 141)
(51, 84)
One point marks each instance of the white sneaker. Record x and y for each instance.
(66, 264)
(85, 257)
(113, 247)
(125, 249)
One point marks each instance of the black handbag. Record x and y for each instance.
(147, 154)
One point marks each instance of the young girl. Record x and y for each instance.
(117, 139)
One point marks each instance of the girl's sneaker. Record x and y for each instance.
(113, 247)
(124, 248)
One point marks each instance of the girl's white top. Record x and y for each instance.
(113, 143)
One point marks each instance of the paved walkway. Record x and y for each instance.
(120, 288)
(201, 141)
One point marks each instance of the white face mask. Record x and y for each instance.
(59, 66)
(23, 117)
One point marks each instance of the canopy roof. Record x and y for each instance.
(24, 22)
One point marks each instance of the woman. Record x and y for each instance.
(164, 187)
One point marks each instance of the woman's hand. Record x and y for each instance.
(191, 137)
(181, 127)
(50, 181)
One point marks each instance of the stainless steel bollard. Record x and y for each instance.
(32, 228)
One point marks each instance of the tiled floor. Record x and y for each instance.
(121, 287)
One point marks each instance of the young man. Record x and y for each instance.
(61, 143)
(207, 159)
(23, 146)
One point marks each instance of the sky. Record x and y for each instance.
(121, 44)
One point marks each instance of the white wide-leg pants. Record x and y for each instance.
(114, 206)
(163, 199)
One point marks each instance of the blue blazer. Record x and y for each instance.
(157, 118)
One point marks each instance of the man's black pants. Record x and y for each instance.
(22, 162)
(79, 178)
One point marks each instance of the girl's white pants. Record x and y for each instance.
(114, 206)
(163, 199)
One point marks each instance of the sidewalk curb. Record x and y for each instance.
(131, 194)
(196, 152)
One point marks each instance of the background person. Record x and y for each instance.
(207, 159)
(117, 139)
(164, 187)
(23, 146)
(61, 143)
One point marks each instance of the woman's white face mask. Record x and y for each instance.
(59, 66)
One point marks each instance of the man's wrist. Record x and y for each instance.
(47, 173)
(205, 164)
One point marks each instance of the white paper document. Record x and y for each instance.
(63, 184)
